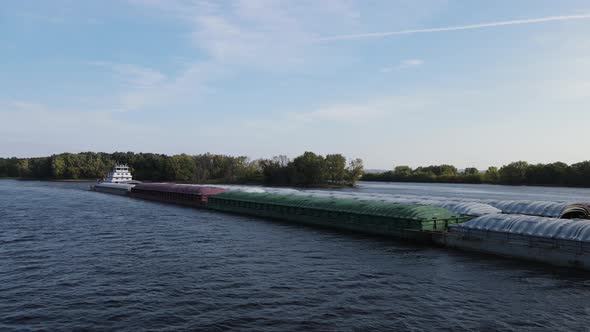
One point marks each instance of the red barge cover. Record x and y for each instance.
(180, 188)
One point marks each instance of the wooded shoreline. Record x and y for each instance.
(518, 173)
(307, 170)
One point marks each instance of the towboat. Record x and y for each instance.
(119, 181)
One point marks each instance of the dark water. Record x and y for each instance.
(482, 191)
(77, 260)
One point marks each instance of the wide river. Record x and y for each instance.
(71, 259)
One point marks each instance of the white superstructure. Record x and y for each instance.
(119, 174)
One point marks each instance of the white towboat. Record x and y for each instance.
(119, 174)
(119, 181)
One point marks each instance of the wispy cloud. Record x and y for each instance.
(411, 63)
(142, 85)
(351, 113)
(454, 28)
(21, 106)
(134, 75)
(408, 63)
(265, 35)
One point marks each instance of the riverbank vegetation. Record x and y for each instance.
(309, 169)
(516, 173)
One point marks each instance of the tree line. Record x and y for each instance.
(309, 169)
(516, 173)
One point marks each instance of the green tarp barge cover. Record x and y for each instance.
(367, 216)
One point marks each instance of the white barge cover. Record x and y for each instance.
(553, 228)
(544, 209)
(470, 208)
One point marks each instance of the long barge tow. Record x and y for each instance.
(562, 242)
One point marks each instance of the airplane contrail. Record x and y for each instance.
(454, 28)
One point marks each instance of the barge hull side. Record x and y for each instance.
(112, 191)
(407, 229)
(550, 254)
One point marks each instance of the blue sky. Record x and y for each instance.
(471, 83)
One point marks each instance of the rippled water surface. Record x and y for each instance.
(482, 191)
(71, 259)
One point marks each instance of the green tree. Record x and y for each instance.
(40, 168)
(11, 167)
(58, 166)
(181, 168)
(23, 168)
(492, 175)
(445, 170)
(3, 167)
(335, 167)
(309, 169)
(580, 174)
(402, 171)
(355, 170)
(424, 174)
(555, 173)
(514, 173)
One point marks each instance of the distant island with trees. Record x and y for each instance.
(516, 173)
(308, 169)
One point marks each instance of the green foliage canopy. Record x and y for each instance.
(516, 173)
(308, 169)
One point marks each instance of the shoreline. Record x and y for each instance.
(482, 183)
(321, 186)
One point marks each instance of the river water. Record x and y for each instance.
(480, 191)
(71, 259)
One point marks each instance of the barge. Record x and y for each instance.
(188, 195)
(467, 225)
(561, 242)
(405, 221)
(478, 207)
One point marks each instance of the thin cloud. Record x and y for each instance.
(454, 28)
(410, 63)
(402, 65)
